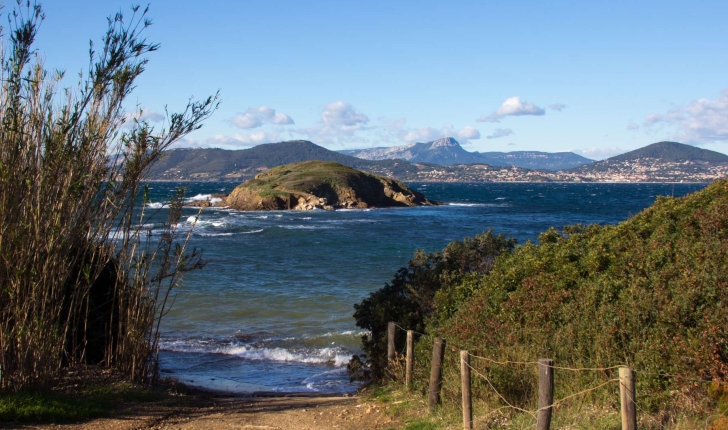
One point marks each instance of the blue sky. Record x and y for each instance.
(596, 78)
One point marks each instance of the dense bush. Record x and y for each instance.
(409, 299)
(651, 292)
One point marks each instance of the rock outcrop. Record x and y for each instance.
(321, 185)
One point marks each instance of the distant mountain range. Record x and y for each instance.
(447, 151)
(222, 164)
(659, 162)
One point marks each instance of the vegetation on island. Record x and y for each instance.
(323, 185)
(650, 293)
(83, 281)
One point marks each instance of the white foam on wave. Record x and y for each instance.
(468, 205)
(214, 234)
(334, 356)
(253, 231)
(344, 221)
(303, 227)
(200, 197)
(344, 333)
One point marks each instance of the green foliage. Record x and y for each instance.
(53, 406)
(426, 289)
(651, 292)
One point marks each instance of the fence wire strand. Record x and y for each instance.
(554, 404)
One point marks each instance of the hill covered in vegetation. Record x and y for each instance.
(667, 160)
(651, 293)
(321, 184)
(235, 165)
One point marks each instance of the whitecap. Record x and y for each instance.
(468, 205)
(200, 197)
(334, 356)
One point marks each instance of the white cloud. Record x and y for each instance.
(557, 106)
(701, 121)
(256, 117)
(342, 114)
(398, 130)
(235, 141)
(340, 124)
(143, 114)
(633, 126)
(423, 134)
(512, 107)
(500, 132)
(652, 119)
(150, 115)
(469, 132)
(598, 153)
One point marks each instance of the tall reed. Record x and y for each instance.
(72, 237)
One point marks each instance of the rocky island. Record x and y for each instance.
(320, 185)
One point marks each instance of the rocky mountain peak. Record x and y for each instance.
(444, 142)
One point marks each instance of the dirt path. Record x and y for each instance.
(300, 413)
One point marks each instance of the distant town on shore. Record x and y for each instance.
(444, 160)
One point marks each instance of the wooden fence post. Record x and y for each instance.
(626, 393)
(465, 382)
(410, 359)
(545, 393)
(438, 351)
(390, 342)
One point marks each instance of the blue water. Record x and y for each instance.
(272, 310)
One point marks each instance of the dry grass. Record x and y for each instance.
(69, 185)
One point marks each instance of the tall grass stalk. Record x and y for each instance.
(78, 264)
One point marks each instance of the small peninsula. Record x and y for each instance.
(321, 185)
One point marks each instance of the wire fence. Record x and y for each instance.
(541, 415)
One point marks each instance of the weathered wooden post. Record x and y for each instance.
(465, 382)
(390, 342)
(410, 359)
(626, 393)
(545, 393)
(438, 351)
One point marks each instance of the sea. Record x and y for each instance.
(271, 312)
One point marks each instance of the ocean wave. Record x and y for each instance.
(153, 205)
(331, 355)
(303, 227)
(468, 205)
(357, 333)
(199, 197)
(344, 221)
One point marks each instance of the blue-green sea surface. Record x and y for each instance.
(272, 310)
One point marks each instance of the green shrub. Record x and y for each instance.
(410, 298)
(651, 293)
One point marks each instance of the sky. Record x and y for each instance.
(595, 78)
